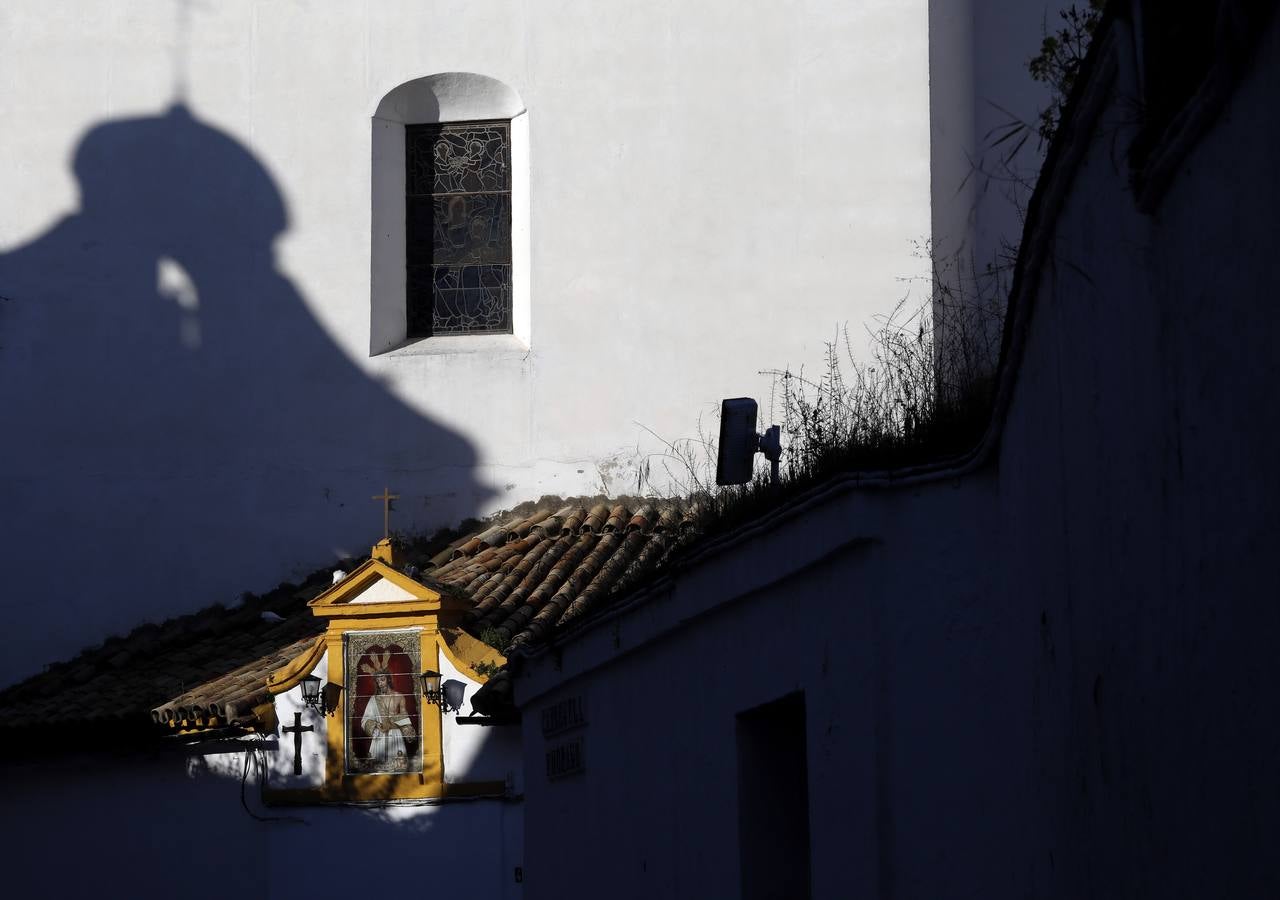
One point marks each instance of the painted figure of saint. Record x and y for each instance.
(386, 719)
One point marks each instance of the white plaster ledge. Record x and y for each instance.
(453, 345)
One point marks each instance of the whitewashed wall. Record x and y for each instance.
(315, 742)
(173, 823)
(185, 336)
(475, 753)
(174, 826)
(1053, 678)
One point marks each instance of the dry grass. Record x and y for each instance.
(921, 395)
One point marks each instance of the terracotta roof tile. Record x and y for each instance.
(595, 519)
(527, 576)
(558, 567)
(218, 655)
(617, 518)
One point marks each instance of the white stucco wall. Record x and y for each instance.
(185, 336)
(474, 753)
(174, 826)
(1050, 678)
(280, 764)
(132, 821)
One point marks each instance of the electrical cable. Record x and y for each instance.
(260, 766)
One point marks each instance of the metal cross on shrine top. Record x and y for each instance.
(386, 497)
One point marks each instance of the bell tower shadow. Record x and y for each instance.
(179, 426)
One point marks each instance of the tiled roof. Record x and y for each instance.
(233, 698)
(217, 656)
(528, 574)
(538, 573)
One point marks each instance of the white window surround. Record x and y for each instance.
(434, 99)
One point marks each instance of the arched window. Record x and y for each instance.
(450, 213)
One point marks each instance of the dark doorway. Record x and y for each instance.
(773, 801)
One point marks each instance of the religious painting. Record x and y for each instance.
(383, 722)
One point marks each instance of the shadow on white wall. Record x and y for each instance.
(177, 423)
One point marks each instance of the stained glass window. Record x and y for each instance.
(383, 721)
(458, 228)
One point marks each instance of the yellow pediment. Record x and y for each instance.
(374, 588)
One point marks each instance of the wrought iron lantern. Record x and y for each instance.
(449, 697)
(431, 686)
(311, 693)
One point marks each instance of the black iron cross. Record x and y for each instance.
(297, 730)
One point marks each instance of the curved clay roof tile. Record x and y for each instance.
(549, 527)
(645, 560)
(494, 582)
(668, 519)
(573, 521)
(493, 536)
(467, 549)
(556, 574)
(617, 518)
(510, 583)
(536, 520)
(531, 581)
(512, 580)
(521, 527)
(606, 578)
(561, 570)
(640, 521)
(595, 519)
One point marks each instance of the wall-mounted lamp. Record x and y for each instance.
(449, 698)
(431, 686)
(311, 693)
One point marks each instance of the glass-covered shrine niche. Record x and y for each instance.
(383, 722)
(458, 228)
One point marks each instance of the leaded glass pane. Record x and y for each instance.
(463, 158)
(458, 228)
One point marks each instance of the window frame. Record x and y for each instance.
(443, 98)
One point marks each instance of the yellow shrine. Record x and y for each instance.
(381, 715)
